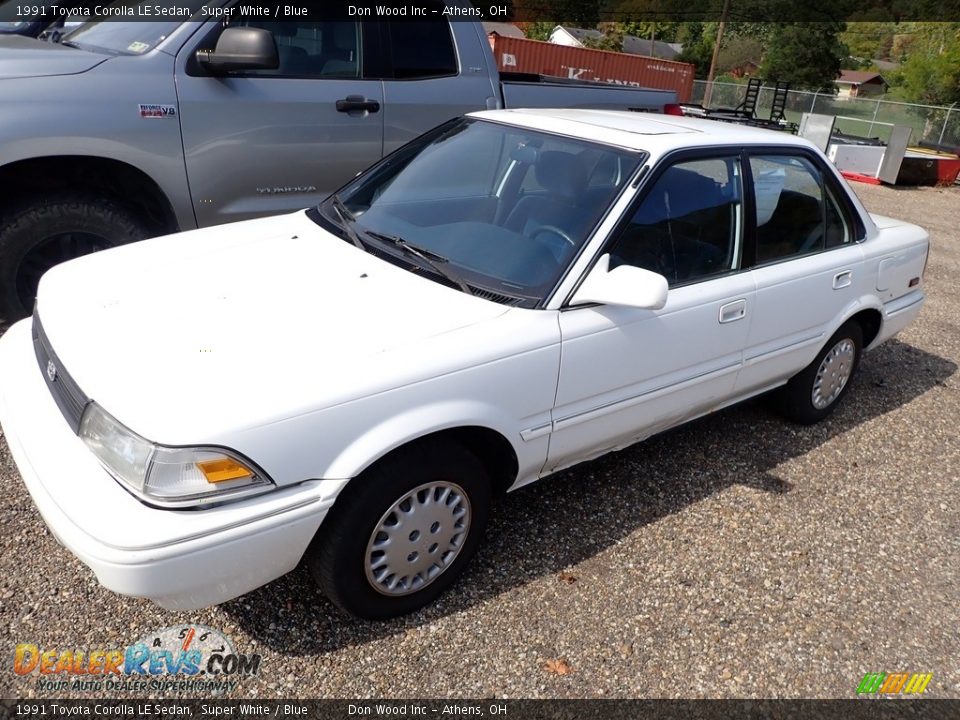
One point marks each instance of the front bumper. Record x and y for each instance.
(180, 559)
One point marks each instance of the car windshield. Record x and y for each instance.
(502, 209)
(118, 36)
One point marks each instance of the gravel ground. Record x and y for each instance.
(739, 556)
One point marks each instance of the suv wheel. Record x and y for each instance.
(35, 237)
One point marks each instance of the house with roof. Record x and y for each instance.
(574, 37)
(651, 48)
(503, 29)
(860, 83)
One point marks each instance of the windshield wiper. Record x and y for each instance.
(347, 219)
(430, 258)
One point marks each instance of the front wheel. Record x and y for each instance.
(815, 391)
(403, 531)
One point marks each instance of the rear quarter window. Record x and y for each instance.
(423, 48)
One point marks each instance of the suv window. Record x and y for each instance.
(796, 213)
(423, 48)
(689, 224)
(313, 49)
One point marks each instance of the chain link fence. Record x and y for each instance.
(864, 117)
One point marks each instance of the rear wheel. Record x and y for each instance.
(402, 532)
(35, 237)
(814, 392)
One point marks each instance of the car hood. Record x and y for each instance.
(24, 57)
(189, 336)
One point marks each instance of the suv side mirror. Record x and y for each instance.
(241, 48)
(624, 285)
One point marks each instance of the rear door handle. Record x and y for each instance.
(842, 279)
(733, 311)
(357, 103)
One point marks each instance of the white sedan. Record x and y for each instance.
(508, 295)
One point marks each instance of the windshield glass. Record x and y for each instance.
(120, 37)
(505, 209)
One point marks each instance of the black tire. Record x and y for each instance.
(44, 232)
(797, 401)
(338, 556)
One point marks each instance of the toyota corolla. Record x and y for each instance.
(508, 295)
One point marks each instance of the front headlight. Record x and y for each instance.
(174, 477)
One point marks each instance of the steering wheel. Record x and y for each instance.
(556, 231)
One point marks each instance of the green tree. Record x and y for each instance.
(538, 30)
(868, 40)
(931, 73)
(579, 13)
(697, 39)
(808, 55)
(737, 52)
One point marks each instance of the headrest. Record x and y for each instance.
(561, 173)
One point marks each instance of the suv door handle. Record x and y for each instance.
(356, 103)
(842, 279)
(733, 311)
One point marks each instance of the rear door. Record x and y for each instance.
(434, 71)
(270, 141)
(808, 267)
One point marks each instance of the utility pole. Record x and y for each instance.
(708, 95)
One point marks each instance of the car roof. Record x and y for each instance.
(640, 131)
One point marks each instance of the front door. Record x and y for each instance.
(627, 373)
(271, 141)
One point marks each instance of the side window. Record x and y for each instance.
(423, 48)
(313, 49)
(796, 213)
(689, 224)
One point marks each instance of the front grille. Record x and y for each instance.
(69, 398)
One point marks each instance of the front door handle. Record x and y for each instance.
(357, 103)
(842, 279)
(733, 311)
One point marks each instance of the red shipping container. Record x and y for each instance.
(543, 58)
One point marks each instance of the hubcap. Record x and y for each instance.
(833, 373)
(418, 538)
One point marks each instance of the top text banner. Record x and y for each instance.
(579, 13)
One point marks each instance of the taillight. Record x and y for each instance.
(672, 109)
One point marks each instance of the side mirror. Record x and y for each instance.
(241, 48)
(624, 285)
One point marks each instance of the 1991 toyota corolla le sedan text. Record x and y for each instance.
(512, 293)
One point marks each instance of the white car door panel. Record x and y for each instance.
(781, 341)
(626, 374)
